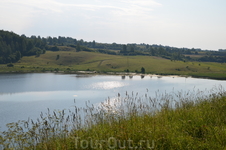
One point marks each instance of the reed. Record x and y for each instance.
(176, 120)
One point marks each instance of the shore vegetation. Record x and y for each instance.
(176, 120)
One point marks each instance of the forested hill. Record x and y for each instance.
(13, 47)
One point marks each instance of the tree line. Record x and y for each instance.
(13, 47)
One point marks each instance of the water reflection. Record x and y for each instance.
(107, 85)
(148, 103)
(84, 76)
(26, 95)
(37, 96)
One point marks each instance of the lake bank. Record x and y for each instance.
(134, 121)
(73, 62)
(27, 94)
(201, 76)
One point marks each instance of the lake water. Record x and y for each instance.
(24, 96)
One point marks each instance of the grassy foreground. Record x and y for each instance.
(71, 61)
(191, 120)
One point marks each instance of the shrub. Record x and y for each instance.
(10, 65)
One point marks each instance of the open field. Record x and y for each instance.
(71, 61)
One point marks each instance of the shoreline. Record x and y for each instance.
(117, 74)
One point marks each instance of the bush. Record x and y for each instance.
(55, 48)
(10, 65)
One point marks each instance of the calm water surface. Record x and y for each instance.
(24, 96)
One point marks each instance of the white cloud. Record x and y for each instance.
(13, 17)
(36, 4)
(145, 3)
(58, 6)
(126, 6)
(121, 21)
(84, 18)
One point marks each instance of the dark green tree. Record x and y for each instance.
(30, 45)
(58, 57)
(132, 49)
(55, 48)
(18, 55)
(143, 70)
(124, 49)
(152, 51)
(75, 41)
(38, 53)
(78, 48)
(93, 44)
(50, 40)
(13, 46)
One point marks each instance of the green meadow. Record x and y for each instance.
(71, 61)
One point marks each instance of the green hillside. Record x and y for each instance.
(68, 60)
(65, 54)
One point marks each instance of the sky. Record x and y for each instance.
(177, 23)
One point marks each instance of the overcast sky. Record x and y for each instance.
(179, 23)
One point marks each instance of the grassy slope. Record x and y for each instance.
(114, 63)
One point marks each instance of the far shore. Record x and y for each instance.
(129, 74)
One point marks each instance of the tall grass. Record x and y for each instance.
(176, 120)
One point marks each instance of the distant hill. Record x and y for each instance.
(13, 47)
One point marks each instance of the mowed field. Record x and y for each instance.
(70, 61)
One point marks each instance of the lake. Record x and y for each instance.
(24, 96)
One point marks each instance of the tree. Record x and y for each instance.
(30, 45)
(38, 53)
(58, 57)
(50, 40)
(55, 48)
(18, 55)
(23, 35)
(152, 50)
(13, 46)
(75, 41)
(23, 46)
(78, 48)
(93, 44)
(124, 49)
(81, 41)
(33, 37)
(132, 49)
(143, 70)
